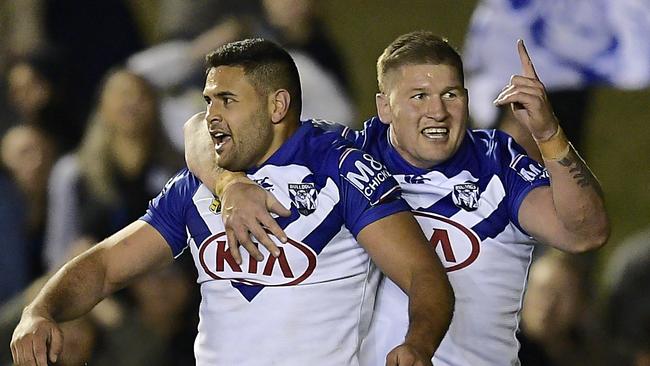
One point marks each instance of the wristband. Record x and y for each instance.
(222, 184)
(554, 148)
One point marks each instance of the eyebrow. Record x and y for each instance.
(221, 94)
(444, 90)
(456, 87)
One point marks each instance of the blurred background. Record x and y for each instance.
(93, 96)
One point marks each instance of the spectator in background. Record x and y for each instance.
(38, 93)
(180, 19)
(28, 154)
(103, 36)
(576, 44)
(292, 23)
(19, 34)
(556, 312)
(122, 162)
(15, 261)
(627, 317)
(295, 24)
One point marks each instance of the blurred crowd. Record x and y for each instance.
(91, 122)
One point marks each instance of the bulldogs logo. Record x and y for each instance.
(303, 195)
(466, 196)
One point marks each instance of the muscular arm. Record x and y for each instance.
(200, 156)
(570, 214)
(79, 285)
(398, 247)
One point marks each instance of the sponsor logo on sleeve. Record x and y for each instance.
(527, 169)
(365, 174)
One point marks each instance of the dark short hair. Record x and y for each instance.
(268, 66)
(419, 47)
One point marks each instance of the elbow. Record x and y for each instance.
(595, 239)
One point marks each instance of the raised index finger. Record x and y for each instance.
(526, 63)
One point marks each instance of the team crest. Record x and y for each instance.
(466, 196)
(303, 195)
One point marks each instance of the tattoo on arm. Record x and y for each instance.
(581, 173)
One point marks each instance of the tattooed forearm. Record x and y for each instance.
(580, 172)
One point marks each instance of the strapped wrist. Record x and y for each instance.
(555, 147)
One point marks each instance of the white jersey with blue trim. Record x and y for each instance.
(468, 209)
(312, 304)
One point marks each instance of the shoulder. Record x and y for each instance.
(374, 132)
(504, 156)
(324, 141)
(182, 184)
(327, 153)
(494, 146)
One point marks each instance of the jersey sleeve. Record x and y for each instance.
(522, 174)
(166, 212)
(369, 192)
(360, 139)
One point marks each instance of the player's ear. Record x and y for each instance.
(383, 108)
(279, 102)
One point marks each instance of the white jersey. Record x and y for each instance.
(468, 209)
(311, 305)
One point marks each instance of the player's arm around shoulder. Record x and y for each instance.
(246, 207)
(79, 285)
(398, 247)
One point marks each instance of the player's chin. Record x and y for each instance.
(435, 155)
(225, 162)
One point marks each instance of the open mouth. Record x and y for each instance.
(220, 139)
(435, 133)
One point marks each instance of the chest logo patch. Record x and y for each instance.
(457, 246)
(295, 263)
(303, 196)
(466, 196)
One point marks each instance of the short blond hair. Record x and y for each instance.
(419, 47)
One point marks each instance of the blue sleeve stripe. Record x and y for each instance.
(379, 212)
(175, 243)
(516, 203)
(388, 193)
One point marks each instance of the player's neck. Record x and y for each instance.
(281, 133)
